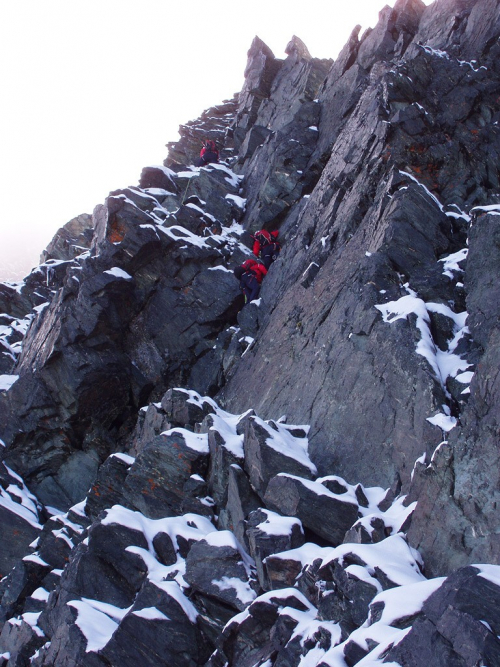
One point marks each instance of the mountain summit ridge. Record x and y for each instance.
(311, 478)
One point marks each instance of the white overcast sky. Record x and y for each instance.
(92, 90)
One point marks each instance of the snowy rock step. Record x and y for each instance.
(219, 568)
(156, 482)
(327, 514)
(269, 533)
(272, 448)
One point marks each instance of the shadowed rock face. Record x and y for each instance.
(131, 319)
(71, 240)
(464, 481)
(369, 232)
(381, 172)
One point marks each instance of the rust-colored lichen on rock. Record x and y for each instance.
(116, 231)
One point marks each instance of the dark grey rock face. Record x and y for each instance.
(139, 312)
(260, 71)
(172, 638)
(462, 483)
(241, 501)
(22, 640)
(182, 410)
(73, 239)
(267, 535)
(156, 481)
(278, 118)
(328, 515)
(107, 489)
(369, 228)
(457, 626)
(266, 454)
(219, 544)
(218, 571)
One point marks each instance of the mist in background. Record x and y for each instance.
(92, 92)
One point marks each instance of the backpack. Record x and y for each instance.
(254, 267)
(248, 264)
(265, 238)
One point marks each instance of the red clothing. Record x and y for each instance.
(263, 238)
(258, 269)
(209, 152)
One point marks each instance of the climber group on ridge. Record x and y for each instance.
(265, 245)
(252, 272)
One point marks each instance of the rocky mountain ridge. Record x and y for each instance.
(343, 521)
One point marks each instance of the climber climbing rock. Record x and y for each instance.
(266, 246)
(256, 267)
(208, 153)
(250, 277)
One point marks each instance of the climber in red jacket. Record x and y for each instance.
(266, 247)
(256, 267)
(250, 274)
(208, 153)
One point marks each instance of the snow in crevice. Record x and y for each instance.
(17, 499)
(238, 201)
(491, 209)
(451, 263)
(97, 621)
(116, 272)
(472, 64)
(244, 592)
(444, 363)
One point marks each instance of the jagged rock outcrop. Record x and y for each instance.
(369, 228)
(73, 239)
(135, 559)
(131, 316)
(20, 302)
(278, 117)
(214, 124)
(212, 531)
